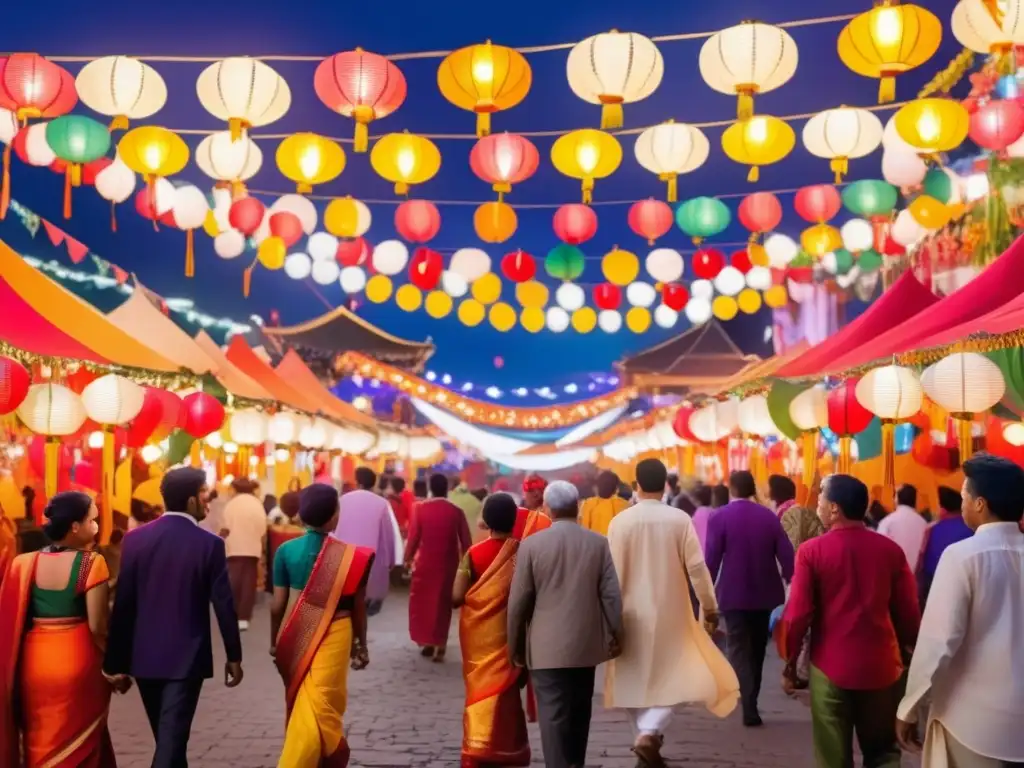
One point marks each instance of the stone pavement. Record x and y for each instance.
(406, 712)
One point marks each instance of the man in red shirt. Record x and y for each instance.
(854, 591)
(530, 518)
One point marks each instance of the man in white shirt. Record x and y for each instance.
(245, 526)
(965, 659)
(905, 526)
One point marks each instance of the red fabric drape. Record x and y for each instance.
(23, 327)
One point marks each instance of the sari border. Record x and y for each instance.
(57, 760)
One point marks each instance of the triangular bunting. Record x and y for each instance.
(55, 233)
(76, 250)
(119, 274)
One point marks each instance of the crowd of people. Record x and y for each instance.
(676, 592)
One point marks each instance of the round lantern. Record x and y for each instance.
(353, 253)
(495, 222)
(272, 253)
(892, 393)
(715, 421)
(747, 59)
(246, 215)
(347, 217)
(612, 69)
(244, 92)
(995, 125)
(741, 261)
(817, 203)
(405, 159)
(230, 244)
(322, 246)
(309, 159)
(153, 152)
(929, 212)
(650, 219)
(285, 225)
(781, 250)
(532, 294)
(638, 319)
(575, 223)
(557, 319)
(408, 298)
(748, 301)
(390, 257)
(757, 141)
(724, 308)
(471, 313)
(532, 319)
(620, 267)
(609, 321)
(504, 159)
(857, 235)
(33, 87)
(54, 411)
(283, 428)
(702, 288)
(31, 147)
(248, 427)
(586, 154)
(584, 320)
(702, 217)
(484, 79)
(707, 263)
(438, 304)
(203, 414)
(641, 294)
(665, 316)
(14, 384)
(76, 140)
(933, 125)
(518, 266)
(841, 135)
(352, 279)
(681, 424)
(846, 417)
(889, 40)
(905, 230)
(417, 220)
(502, 316)
(361, 85)
(776, 296)
(487, 288)
(228, 161)
(760, 212)
(964, 383)
(698, 311)
(470, 264)
(729, 281)
(903, 169)
(298, 266)
(570, 297)
(809, 413)
(1013, 433)
(754, 418)
(300, 206)
(122, 88)
(870, 198)
(607, 296)
(674, 296)
(980, 29)
(378, 289)
(190, 211)
(664, 264)
(425, 268)
(670, 149)
(564, 262)
(820, 239)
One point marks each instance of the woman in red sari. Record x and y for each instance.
(493, 723)
(55, 604)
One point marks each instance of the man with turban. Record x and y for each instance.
(531, 517)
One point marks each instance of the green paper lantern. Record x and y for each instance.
(564, 262)
(77, 139)
(870, 197)
(781, 394)
(844, 261)
(1011, 363)
(938, 184)
(703, 217)
(179, 444)
(869, 261)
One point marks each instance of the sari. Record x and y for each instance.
(493, 724)
(313, 653)
(55, 699)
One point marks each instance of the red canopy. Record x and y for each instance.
(1004, 319)
(906, 298)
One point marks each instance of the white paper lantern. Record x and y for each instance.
(570, 297)
(121, 87)
(809, 409)
(283, 428)
(190, 207)
(151, 453)
(670, 149)
(702, 289)
(858, 235)
(759, 278)
(322, 246)
(903, 168)
(352, 279)
(842, 134)
(301, 206)
(454, 284)
(226, 160)
(9, 126)
(325, 272)
(390, 257)
(298, 266)
(222, 208)
(609, 321)
(781, 249)
(905, 230)
(359, 442)
(975, 27)
(422, 448)
(112, 399)
(470, 264)
(116, 182)
(893, 142)
(557, 319)
(665, 265)
(754, 418)
(614, 68)
(229, 244)
(698, 310)
(313, 434)
(243, 91)
(641, 294)
(829, 263)
(749, 58)
(1013, 433)
(52, 409)
(964, 382)
(730, 281)
(37, 149)
(665, 317)
(890, 392)
(248, 427)
(715, 421)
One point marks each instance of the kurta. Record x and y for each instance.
(438, 537)
(366, 521)
(667, 657)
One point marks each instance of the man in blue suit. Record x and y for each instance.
(171, 570)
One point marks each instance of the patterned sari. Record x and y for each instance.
(493, 724)
(313, 653)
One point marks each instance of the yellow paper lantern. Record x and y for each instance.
(584, 320)
(484, 79)
(502, 316)
(495, 222)
(933, 125)
(889, 40)
(272, 252)
(309, 159)
(761, 140)
(532, 293)
(210, 226)
(586, 154)
(533, 319)
(749, 301)
(758, 255)
(776, 297)
(724, 307)
(378, 289)
(408, 298)
(929, 212)
(347, 217)
(620, 267)
(471, 312)
(820, 239)
(438, 304)
(405, 159)
(153, 152)
(638, 319)
(487, 288)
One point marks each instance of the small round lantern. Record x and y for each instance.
(244, 92)
(670, 149)
(405, 159)
(586, 154)
(228, 161)
(203, 414)
(14, 384)
(495, 222)
(417, 220)
(76, 140)
(574, 223)
(758, 141)
(425, 268)
(846, 417)
(121, 88)
(841, 135)
(484, 79)
(518, 266)
(702, 217)
(504, 159)
(650, 219)
(892, 393)
(932, 125)
(997, 124)
(760, 212)
(612, 69)
(607, 296)
(965, 384)
(309, 159)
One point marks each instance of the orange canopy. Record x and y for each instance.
(295, 371)
(246, 360)
(236, 382)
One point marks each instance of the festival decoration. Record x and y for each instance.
(425, 269)
(351, 279)
(748, 301)
(353, 253)
(982, 29)
(929, 212)
(14, 384)
(776, 297)
(300, 206)
(817, 203)
(322, 246)
(285, 225)
(504, 159)
(841, 135)
(638, 319)
(674, 296)
(438, 304)
(246, 215)
(870, 198)
(487, 288)
(154, 153)
(390, 257)
(809, 413)
(471, 313)
(664, 264)
(408, 298)
(997, 124)
(641, 294)
(564, 262)
(741, 261)
(309, 159)
(405, 159)
(584, 320)
(612, 69)
(272, 253)
(484, 78)
(607, 296)
(557, 319)
(753, 417)
(298, 266)
(54, 411)
(495, 222)
(575, 223)
(905, 230)
(965, 384)
(758, 141)
(724, 308)
(417, 220)
(532, 319)
(470, 264)
(532, 294)
(347, 217)
(665, 317)
(702, 217)
(760, 212)
(229, 245)
(518, 266)
(502, 316)
(729, 281)
(121, 88)
(378, 288)
(707, 263)
(650, 219)
(620, 267)
(609, 321)
(190, 210)
(857, 235)
(244, 92)
(670, 149)
(903, 169)
(932, 125)
(892, 393)
(570, 297)
(846, 417)
(76, 140)
(698, 311)
(820, 239)
(586, 154)
(227, 161)
(361, 85)
(31, 147)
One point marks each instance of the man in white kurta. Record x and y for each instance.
(667, 656)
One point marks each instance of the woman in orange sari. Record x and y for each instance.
(320, 596)
(493, 723)
(55, 604)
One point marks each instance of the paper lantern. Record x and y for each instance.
(425, 268)
(52, 409)
(982, 29)
(272, 252)
(903, 169)
(781, 250)
(698, 311)
(641, 294)
(702, 289)
(674, 296)
(857, 235)
(584, 320)
(665, 317)
(361, 85)
(495, 222)
(889, 40)
(487, 288)
(244, 92)
(285, 225)
(809, 409)
(378, 289)
(122, 88)
(650, 219)
(748, 301)
(741, 261)
(729, 281)
(586, 154)
(707, 262)
(504, 159)
(484, 78)
(870, 197)
(322, 246)
(298, 266)
(283, 428)
(612, 69)
(575, 223)
(997, 124)
(471, 313)
(846, 416)
(890, 392)
(76, 140)
(754, 418)
(929, 212)
(33, 87)
(470, 264)
(246, 215)
(300, 206)
(570, 297)
(760, 212)
(564, 262)
(230, 244)
(724, 308)
(557, 319)
(189, 212)
(408, 298)
(820, 239)
(664, 264)
(702, 217)
(670, 149)
(417, 220)
(390, 257)
(248, 427)
(532, 319)
(352, 279)
(228, 161)
(638, 319)
(31, 147)
(112, 399)
(758, 141)
(607, 296)
(309, 159)
(347, 217)
(609, 321)
(841, 135)
(353, 253)
(14, 384)
(905, 230)
(502, 316)
(747, 59)
(518, 266)
(1013, 433)
(932, 125)
(153, 152)
(964, 383)
(323, 272)
(405, 159)
(620, 267)
(438, 304)
(817, 203)
(776, 297)
(532, 294)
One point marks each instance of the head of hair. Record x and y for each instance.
(625, 492)
(29, 494)
(419, 488)
(383, 483)
(141, 511)
(269, 502)
(651, 476)
(181, 485)
(702, 495)
(949, 499)
(607, 484)
(438, 486)
(366, 478)
(684, 502)
(64, 510)
(562, 499)
(673, 482)
(781, 488)
(290, 503)
(317, 504)
(719, 496)
(479, 493)
(499, 512)
(906, 495)
(116, 536)
(741, 485)
(849, 494)
(397, 484)
(999, 482)
(243, 485)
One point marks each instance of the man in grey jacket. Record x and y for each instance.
(564, 618)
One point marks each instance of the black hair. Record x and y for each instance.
(685, 503)
(607, 484)
(29, 494)
(673, 481)
(651, 476)
(906, 495)
(949, 499)
(383, 482)
(625, 492)
(999, 482)
(419, 488)
(290, 503)
(269, 502)
(64, 510)
(366, 478)
(702, 495)
(116, 536)
(719, 496)
(244, 485)
(499, 512)
(781, 488)
(849, 494)
(181, 485)
(438, 486)
(741, 484)
(141, 511)
(317, 504)
(397, 484)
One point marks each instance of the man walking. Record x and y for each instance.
(564, 618)
(245, 521)
(171, 571)
(948, 529)
(905, 526)
(365, 521)
(746, 548)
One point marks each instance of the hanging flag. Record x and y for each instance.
(55, 233)
(76, 250)
(119, 274)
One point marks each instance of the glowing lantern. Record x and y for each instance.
(244, 92)
(933, 125)
(471, 313)
(154, 153)
(760, 212)
(408, 298)
(978, 28)
(997, 124)
(484, 79)
(122, 88)
(347, 217)
(607, 296)
(586, 154)
(532, 319)
(76, 140)
(758, 141)
(846, 417)
(14, 384)
(964, 383)
(702, 217)
(495, 222)
(889, 40)
(892, 393)
(405, 159)
(487, 288)
(674, 296)
(574, 223)
(817, 203)
(309, 159)
(754, 418)
(55, 411)
(620, 267)
(438, 304)
(929, 212)
(707, 263)
(584, 320)
(227, 161)
(670, 149)
(841, 135)
(809, 413)
(360, 85)
(518, 266)
(870, 198)
(34, 87)
(504, 159)
(417, 220)
(664, 264)
(246, 215)
(746, 59)
(425, 268)
(189, 211)
(502, 316)
(612, 69)
(650, 219)
(820, 239)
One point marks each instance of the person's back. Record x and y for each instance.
(905, 525)
(365, 521)
(246, 522)
(439, 521)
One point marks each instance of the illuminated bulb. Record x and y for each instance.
(150, 453)
(153, 156)
(888, 27)
(362, 403)
(228, 479)
(586, 156)
(310, 161)
(214, 440)
(504, 161)
(254, 461)
(270, 461)
(281, 454)
(483, 70)
(928, 126)
(406, 161)
(1013, 433)
(95, 440)
(230, 448)
(757, 130)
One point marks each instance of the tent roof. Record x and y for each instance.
(137, 315)
(760, 369)
(234, 380)
(296, 372)
(1005, 319)
(243, 356)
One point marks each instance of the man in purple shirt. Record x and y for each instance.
(365, 520)
(746, 550)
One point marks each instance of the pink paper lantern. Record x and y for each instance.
(997, 124)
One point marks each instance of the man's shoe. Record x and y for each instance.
(648, 748)
(752, 720)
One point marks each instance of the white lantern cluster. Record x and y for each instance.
(243, 91)
(248, 427)
(52, 409)
(754, 418)
(112, 399)
(612, 69)
(964, 383)
(809, 409)
(283, 428)
(842, 134)
(891, 392)
(715, 421)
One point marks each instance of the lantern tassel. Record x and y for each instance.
(107, 468)
(113, 217)
(754, 174)
(745, 104)
(51, 459)
(672, 180)
(151, 191)
(119, 123)
(888, 453)
(401, 188)
(362, 138)
(237, 126)
(965, 436)
(5, 184)
(195, 453)
(588, 191)
(810, 449)
(243, 469)
(247, 280)
(840, 167)
(190, 254)
(886, 89)
(67, 191)
(611, 116)
(483, 124)
(845, 462)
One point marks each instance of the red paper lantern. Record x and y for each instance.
(846, 416)
(760, 212)
(504, 159)
(607, 296)
(741, 260)
(287, 226)
(708, 262)
(361, 85)
(674, 296)
(33, 87)
(817, 203)
(353, 253)
(89, 170)
(147, 420)
(203, 414)
(170, 413)
(518, 266)
(997, 124)
(650, 219)
(246, 215)
(425, 268)
(14, 383)
(146, 209)
(681, 423)
(575, 223)
(417, 220)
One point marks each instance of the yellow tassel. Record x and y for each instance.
(611, 116)
(965, 436)
(483, 124)
(5, 184)
(886, 89)
(243, 469)
(888, 454)
(67, 192)
(195, 453)
(362, 138)
(845, 455)
(744, 104)
(51, 458)
(190, 254)
(754, 174)
(401, 188)
(119, 123)
(588, 191)
(673, 186)
(304, 189)
(107, 467)
(840, 167)
(810, 446)
(247, 281)
(237, 126)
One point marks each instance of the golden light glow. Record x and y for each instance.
(587, 156)
(406, 162)
(887, 26)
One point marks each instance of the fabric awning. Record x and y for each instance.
(236, 382)
(295, 371)
(247, 361)
(138, 316)
(1005, 319)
